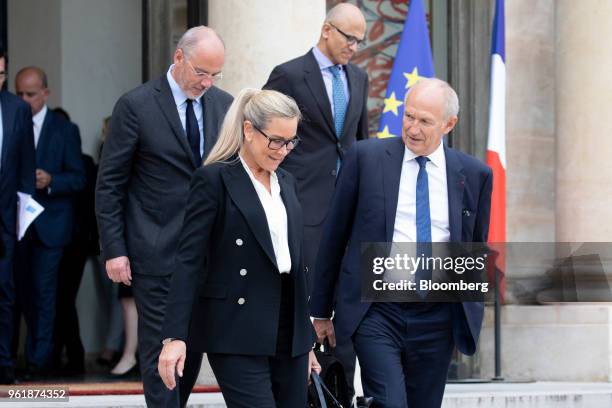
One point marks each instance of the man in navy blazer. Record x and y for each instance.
(59, 174)
(404, 348)
(17, 166)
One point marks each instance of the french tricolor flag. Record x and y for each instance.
(496, 145)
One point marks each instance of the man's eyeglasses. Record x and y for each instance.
(278, 143)
(205, 75)
(350, 40)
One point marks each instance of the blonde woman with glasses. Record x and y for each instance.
(240, 264)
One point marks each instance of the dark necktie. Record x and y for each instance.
(193, 133)
(423, 221)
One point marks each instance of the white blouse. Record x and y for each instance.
(276, 215)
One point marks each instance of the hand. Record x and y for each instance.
(118, 270)
(171, 359)
(313, 364)
(325, 328)
(43, 179)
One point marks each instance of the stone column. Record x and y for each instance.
(583, 121)
(260, 35)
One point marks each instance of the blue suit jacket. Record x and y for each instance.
(363, 210)
(17, 170)
(58, 153)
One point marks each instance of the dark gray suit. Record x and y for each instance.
(141, 195)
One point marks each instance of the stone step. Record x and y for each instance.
(477, 395)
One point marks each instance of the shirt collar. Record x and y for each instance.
(322, 60)
(39, 118)
(177, 93)
(274, 185)
(437, 157)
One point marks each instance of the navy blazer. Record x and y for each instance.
(58, 152)
(17, 170)
(363, 210)
(314, 160)
(226, 258)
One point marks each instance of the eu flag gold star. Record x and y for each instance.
(391, 104)
(412, 78)
(385, 133)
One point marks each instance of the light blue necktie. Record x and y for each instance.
(339, 100)
(423, 220)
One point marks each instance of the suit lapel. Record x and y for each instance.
(314, 81)
(210, 126)
(243, 194)
(392, 166)
(166, 104)
(455, 180)
(351, 110)
(8, 121)
(294, 225)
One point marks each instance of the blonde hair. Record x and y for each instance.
(256, 106)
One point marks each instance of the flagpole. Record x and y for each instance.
(497, 329)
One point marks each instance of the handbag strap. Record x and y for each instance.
(317, 382)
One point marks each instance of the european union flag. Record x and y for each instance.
(413, 61)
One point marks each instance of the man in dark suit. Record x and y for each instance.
(332, 95)
(17, 173)
(59, 175)
(159, 134)
(403, 190)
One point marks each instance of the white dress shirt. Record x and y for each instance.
(38, 121)
(276, 215)
(405, 218)
(180, 99)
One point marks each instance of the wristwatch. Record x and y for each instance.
(168, 340)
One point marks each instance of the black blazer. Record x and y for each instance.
(144, 175)
(226, 224)
(18, 165)
(313, 162)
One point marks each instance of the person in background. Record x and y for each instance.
(84, 245)
(60, 174)
(332, 94)
(17, 169)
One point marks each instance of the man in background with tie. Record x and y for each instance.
(332, 95)
(17, 173)
(412, 189)
(159, 134)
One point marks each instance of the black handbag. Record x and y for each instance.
(328, 389)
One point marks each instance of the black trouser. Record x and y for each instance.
(150, 293)
(66, 332)
(278, 381)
